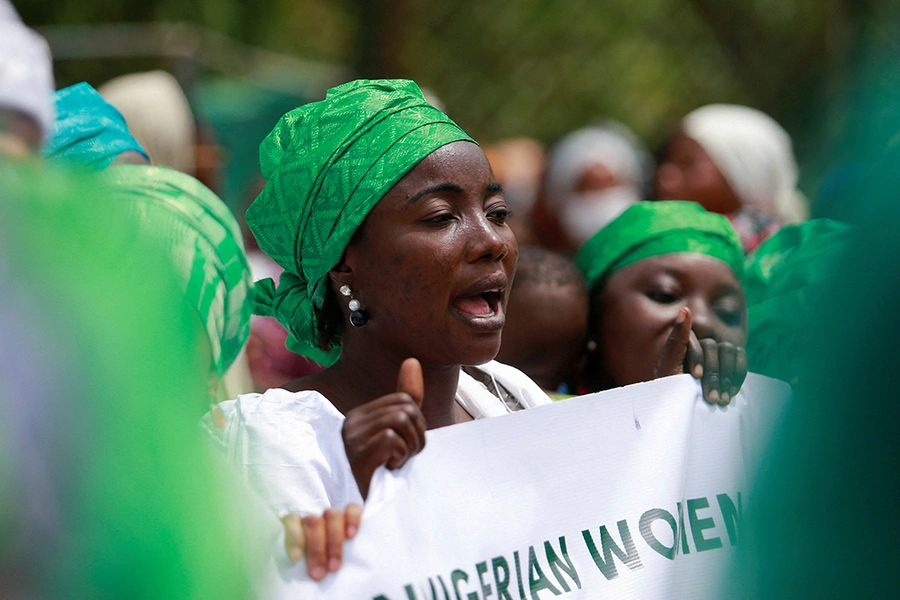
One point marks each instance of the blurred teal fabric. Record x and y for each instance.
(88, 131)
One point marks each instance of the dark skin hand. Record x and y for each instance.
(387, 431)
(321, 539)
(721, 366)
(318, 538)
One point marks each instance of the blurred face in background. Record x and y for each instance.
(20, 136)
(546, 332)
(686, 172)
(593, 174)
(599, 197)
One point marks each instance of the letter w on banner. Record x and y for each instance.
(636, 492)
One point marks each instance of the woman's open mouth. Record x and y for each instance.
(480, 305)
(485, 304)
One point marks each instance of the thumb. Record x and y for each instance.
(671, 358)
(410, 380)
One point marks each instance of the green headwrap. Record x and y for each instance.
(651, 229)
(206, 248)
(327, 164)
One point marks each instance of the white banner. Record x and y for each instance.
(636, 492)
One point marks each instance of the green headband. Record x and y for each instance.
(650, 229)
(327, 164)
(206, 248)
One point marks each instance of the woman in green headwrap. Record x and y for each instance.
(666, 298)
(397, 258)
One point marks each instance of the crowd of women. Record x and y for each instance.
(400, 273)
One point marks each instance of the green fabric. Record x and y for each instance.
(784, 279)
(795, 257)
(205, 245)
(650, 229)
(327, 164)
(107, 489)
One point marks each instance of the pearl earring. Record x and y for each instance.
(358, 318)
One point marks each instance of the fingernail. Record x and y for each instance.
(351, 530)
(680, 318)
(295, 554)
(698, 371)
(714, 397)
(317, 573)
(725, 398)
(334, 564)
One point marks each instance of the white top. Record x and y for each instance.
(288, 445)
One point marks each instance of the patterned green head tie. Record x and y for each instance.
(206, 249)
(327, 164)
(655, 228)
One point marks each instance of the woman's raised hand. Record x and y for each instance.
(721, 366)
(389, 430)
(320, 539)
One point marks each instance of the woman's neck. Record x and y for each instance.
(360, 377)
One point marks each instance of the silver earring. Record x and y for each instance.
(358, 318)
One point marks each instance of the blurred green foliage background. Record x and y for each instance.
(541, 68)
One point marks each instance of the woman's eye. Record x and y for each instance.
(730, 311)
(731, 317)
(441, 218)
(500, 215)
(662, 296)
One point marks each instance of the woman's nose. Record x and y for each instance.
(486, 242)
(703, 320)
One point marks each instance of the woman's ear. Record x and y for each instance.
(341, 274)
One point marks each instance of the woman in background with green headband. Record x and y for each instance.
(666, 298)
(397, 257)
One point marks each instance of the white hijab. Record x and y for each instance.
(610, 144)
(620, 152)
(158, 115)
(26, 70)
(754, 154)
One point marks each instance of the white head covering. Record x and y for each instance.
(620, 152)
(8, 13)
(610, 144)
(26, 70)
(158, 115)
(754, 154)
